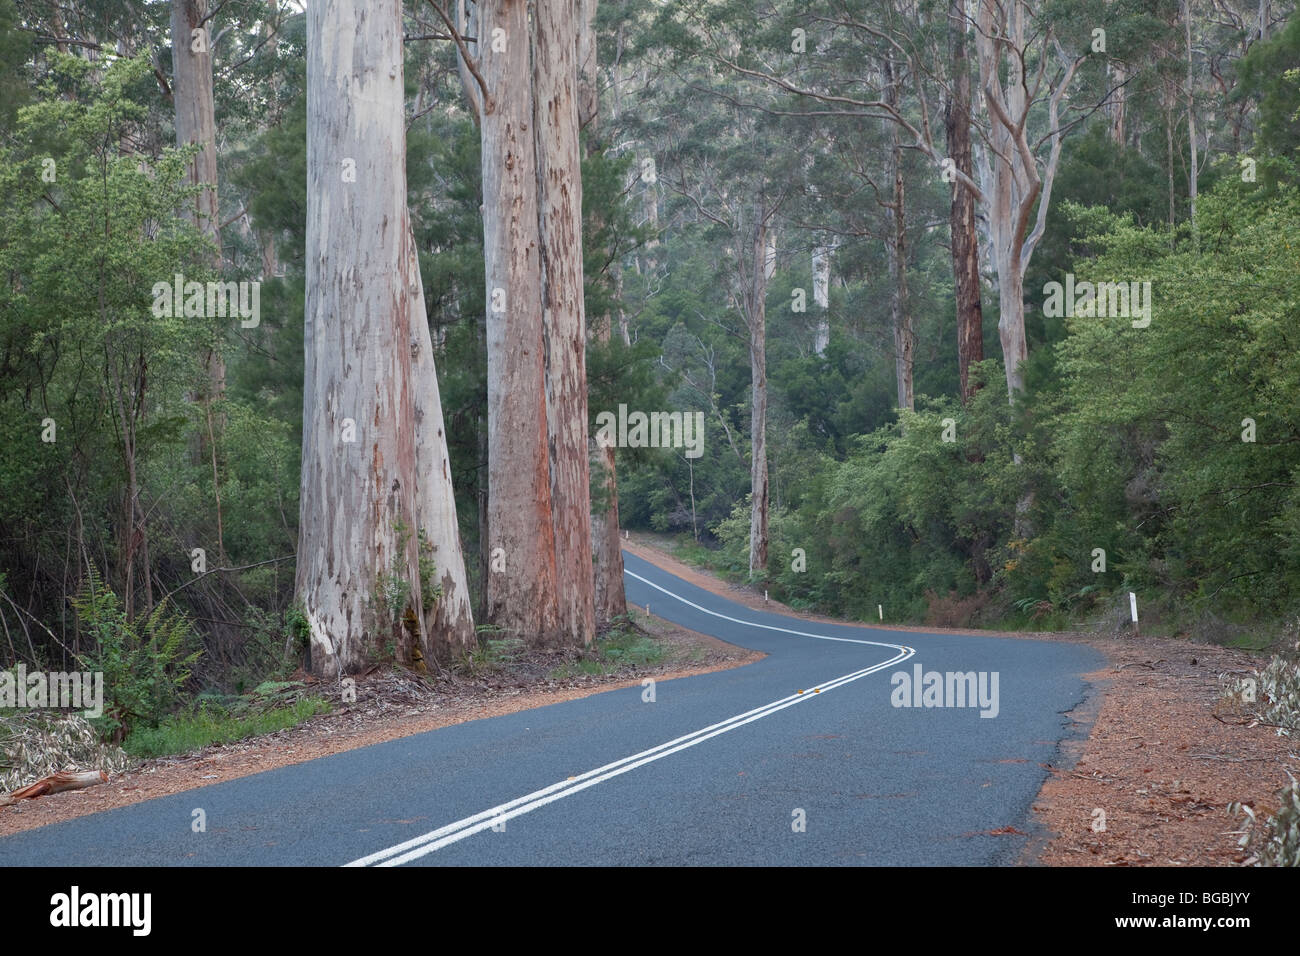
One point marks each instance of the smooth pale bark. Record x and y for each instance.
(521, 583)
(821, 276)
(1015, 182)
(559, 177)
(1118, 107)
(756, 318)
(359, 513)
(962, 223)
(448, 624)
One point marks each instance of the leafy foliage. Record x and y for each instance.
(146, 664)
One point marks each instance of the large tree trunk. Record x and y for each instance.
(756, 316)
(559, 177)
(521, 585)
(358, 569)
(961, 215)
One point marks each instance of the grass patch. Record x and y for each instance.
(183, 733)
(689, 551)
(491, 654)
(616, 649)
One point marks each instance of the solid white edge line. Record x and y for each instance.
(766, 627)
(460, 829)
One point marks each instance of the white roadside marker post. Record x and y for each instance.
(880, 609)
(1133, 610)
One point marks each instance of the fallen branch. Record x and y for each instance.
(56, 783)
(1149, 665)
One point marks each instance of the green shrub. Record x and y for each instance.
(145, 663)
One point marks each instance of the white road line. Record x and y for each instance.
(427, 843)
(766, 627)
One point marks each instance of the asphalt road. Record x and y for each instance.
(799, 759)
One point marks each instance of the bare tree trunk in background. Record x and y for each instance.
(896, 214)
(521, 582)
(821, 269)
(358, 573)
(1193, 171)
(1014, 184)
(587, 64)
(606, 552)
(1118, 104)
(564, 324)
(196, 123)
(962, 223)
(266, 238)
(756, 317)
(449, 619)
(1169, 158)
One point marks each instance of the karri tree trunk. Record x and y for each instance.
(756, 318)
(192, 98)
(358, 577)
(559, 177)
(196, 125)
(521, 585)
(961, 215)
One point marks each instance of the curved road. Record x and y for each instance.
(735, 767)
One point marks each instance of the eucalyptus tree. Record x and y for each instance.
(379, 557)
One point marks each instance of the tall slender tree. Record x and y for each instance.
(962, 223)
(196, 125)
(522, 594)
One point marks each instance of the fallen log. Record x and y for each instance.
(56, 783)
